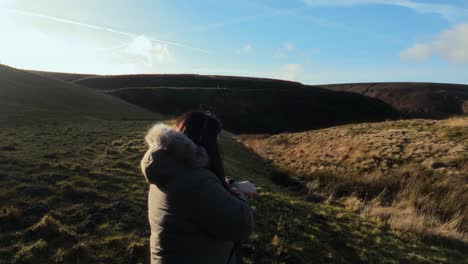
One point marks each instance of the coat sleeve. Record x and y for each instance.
(146, 163)
(220, 213)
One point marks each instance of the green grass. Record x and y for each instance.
(71, 191)
(75, 187)
(24, 94)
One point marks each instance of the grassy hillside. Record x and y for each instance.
(413, 173)
(72, 192)
(23, 94)
(263, 110)
(68, 77)
(421, 100)
(113, 82)
(416, 100)
(247, 105)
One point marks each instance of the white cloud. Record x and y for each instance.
(418, 52)
(292, 72)
(451, 45)
(444, 10)
(247, 48)
(140, 46)
(288, 46)
(162, 53)
(284, 51)
(143, 47)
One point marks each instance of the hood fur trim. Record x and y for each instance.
(181, 147)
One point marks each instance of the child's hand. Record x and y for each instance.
(247, 188)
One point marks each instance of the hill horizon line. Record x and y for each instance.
(231, 76)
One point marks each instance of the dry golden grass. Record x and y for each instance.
(409, 198)
(364, 147)
(456, 122)
(406, 218)
(412, 174)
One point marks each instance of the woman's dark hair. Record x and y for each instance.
(203, 129)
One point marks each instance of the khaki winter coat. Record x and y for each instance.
(193, 218)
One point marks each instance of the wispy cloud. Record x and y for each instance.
(247, 48)
(451, 45)
(284, 51)
(264, 11)
(445, 10)
(100, 28)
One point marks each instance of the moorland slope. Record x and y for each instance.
(68, 77)
(417, 100)
(247, 105)
(112, 82)
(23, 94)
(411, 173)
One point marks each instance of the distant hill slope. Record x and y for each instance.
(184, 80)
(420, 100)
(68, 77)
(264, 110)
(247, 105)
(25, 94)
(426, 100)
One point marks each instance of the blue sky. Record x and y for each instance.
(311, 41)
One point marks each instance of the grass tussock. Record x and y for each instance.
(410, 198)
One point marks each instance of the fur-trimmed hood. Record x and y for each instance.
(181, 147)
(162, 140)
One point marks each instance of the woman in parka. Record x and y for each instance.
(196, 214)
